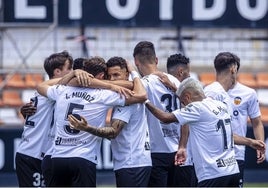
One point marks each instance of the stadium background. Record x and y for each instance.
(30, 30)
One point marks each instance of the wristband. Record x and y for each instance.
(147, 101)
(134, 74)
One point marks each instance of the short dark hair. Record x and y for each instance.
(57, 61)
(117, 61)
(177, 59)
(78, 63)
(95, 65)
(224, 60)
(144, 50)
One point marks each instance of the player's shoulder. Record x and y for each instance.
(214, 88)
(242, 89)
(212, 85)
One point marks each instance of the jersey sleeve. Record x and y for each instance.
(190, 113)
(253, 106)
(214, 95)
(122, 113)
(54, 91)
(112, 98)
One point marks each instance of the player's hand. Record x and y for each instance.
(83, 77)
(76, 123)
(180, 156)
(28, 109)
(123, 91)
(258, 145)
(164, 79)
(260, 156)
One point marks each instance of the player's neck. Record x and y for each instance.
(224, 81)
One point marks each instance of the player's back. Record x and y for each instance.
(211, 138)
(36, 128)
(163, 137)
(245, 104)
(89, 103)
(131, 148)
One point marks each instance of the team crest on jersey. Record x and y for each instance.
(237, 100)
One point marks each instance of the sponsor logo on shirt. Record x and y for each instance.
(226, 162)
(170, 132)
(69, 141)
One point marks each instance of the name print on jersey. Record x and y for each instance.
(79, 94)
(220, 110)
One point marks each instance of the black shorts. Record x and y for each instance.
(73, 172)
(133, 177)
(163, 170)
(28, 170)
(185, 176)
(46, 167)
(224, 181)
(241, 165)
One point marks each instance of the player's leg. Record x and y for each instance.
(28, 170)
(185, 176)
(61, 174)
(47, 169)
(224, 181)
(83, 172)
(133, 177)
(241, 165)
(162, 173)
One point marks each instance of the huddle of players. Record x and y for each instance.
(65, 121)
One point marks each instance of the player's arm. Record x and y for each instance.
(109, 132)
(139, 92)
(43, 87)
(258, 128)
(164, 79)
(181, 154)
(122, 83)
(27, 109)
(165, 117)
(255, 144)
(258, 131)
(81, 77)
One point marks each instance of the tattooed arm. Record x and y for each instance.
(109, 132)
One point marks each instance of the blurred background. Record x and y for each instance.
(30, 30)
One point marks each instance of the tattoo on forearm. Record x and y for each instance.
(111, 131)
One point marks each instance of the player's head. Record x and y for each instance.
(58, 64)
(117, 69)
(225, 61)
(95, 66)
(237, 59)
(144, 55)
(190, 90)
(226, 65)
(178, 65)
(78, 63)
